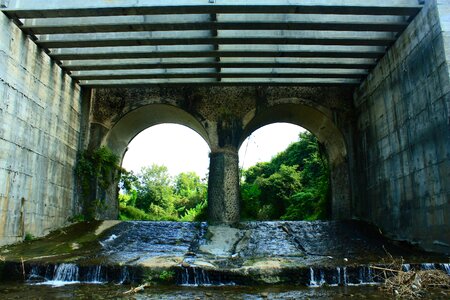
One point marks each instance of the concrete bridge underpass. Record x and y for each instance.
(370, 79)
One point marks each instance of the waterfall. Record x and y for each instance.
(62, 274)
(69, 273)
(66, 272)
(428, 266)
(35, 274)
(406, 267)
(94, 275)
(445, 268)
(312, 280)
(366, 276)
(193, 276)
(124, 275)
(345, 276)
(338, 275)
(322, 278)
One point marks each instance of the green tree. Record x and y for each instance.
(190, 189)
(277, 189)
(294, 185)
(154, 188)
(152, 194)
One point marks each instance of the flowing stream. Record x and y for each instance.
(255, 260)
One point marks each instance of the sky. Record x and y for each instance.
(181, 149)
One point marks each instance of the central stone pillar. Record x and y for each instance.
(223, 186)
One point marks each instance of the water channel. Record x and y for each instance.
(253, 260)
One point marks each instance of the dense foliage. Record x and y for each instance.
(95, 168)
(152, 194)
(294, 185)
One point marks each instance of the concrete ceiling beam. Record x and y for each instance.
(187, 54)
(79, 66)
(115, 27)
(81, 8)
(238, 82)
(217, 75)
(49, 42)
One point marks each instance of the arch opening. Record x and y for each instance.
(134, 122)
(162, 185)
(160, 194)
(319, 123)
(288, 176)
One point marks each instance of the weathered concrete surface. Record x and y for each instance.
(224, 117)
(39, 136)
(403, 135)
(223, 187)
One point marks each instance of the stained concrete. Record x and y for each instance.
(223, 187)
(403, 135)
(39, 138)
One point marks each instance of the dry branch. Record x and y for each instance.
(136, 289)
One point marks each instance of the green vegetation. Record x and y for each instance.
(294, 185)
(95, 168)
(167, 275)
(29, 237)
(153, 195)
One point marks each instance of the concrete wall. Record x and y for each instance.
(39, 137)
(403, 134)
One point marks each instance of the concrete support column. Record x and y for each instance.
(223, 187)
(340, 191)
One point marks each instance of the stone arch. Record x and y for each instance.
(319, 122)
(132, 123)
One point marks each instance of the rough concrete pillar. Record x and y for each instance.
(223, 187)
(340, 185)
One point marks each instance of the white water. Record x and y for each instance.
(312, 280)
(195, 277)
(446, 268)
(65, 274)
(428, 266)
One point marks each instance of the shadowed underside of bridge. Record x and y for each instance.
(369, 78)
(214, 42)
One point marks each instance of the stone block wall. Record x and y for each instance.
(403, 135)
(39, 138)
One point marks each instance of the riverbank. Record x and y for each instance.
(189, 253)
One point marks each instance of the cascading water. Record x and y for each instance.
(366, 276)
(406, 267)
(95, 275)
(63, 274)
(124, 276)
(345, 276)
(428, 266)
(193, 276)
(338, 275)
(248, 254)
(445, 268)
(342, 276)
(312, 280)
(68, 273)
